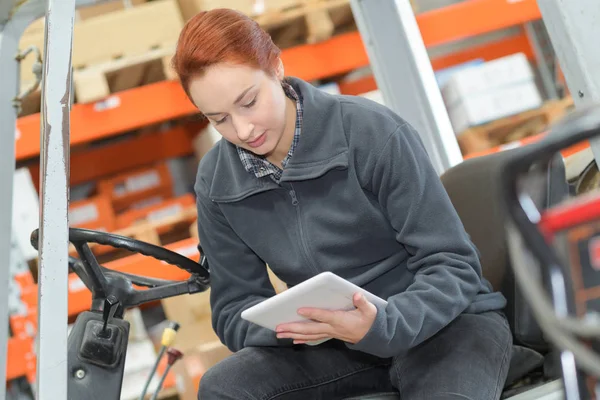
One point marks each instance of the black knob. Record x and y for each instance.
(111, 304)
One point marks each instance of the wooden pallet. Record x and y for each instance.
(513, 128)
(111, 43)
(98, 81)
(307, 21)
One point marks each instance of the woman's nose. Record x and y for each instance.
(244, 129)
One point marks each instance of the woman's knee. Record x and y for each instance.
(216, 382)
(210, 384)
(231, 378)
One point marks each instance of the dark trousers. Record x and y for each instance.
(468, 359)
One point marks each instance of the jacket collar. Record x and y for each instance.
(322, 147)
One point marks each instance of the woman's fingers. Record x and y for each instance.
(306, 328)
(302, 337)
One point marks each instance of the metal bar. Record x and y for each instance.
(574, 30)
(13, 22)
(465, 19)
(15, 17)
(8, 47)
(53, 240)
(404, 74)
(546, 75)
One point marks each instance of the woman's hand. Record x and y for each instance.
(348, 326)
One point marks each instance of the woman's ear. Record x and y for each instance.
(279, 70)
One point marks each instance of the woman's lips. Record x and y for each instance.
(259, 141)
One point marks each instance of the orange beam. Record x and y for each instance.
(91, 164)
(566, 152)
(20, 357)
(490, 51)
(166, 100)
(338, 55)
(474, 17)
(120, 112)
(518, 43)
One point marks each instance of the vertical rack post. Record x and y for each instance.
(14, 20)
(8, 67)
(404, 74)
(53, 243)
(574, 31)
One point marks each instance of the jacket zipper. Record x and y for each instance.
(296, 204)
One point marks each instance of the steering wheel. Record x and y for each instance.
(105, 283)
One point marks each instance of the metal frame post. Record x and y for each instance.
(13, 22)
(574, 30)
(15, 17)
(404, 74)
(52, 365)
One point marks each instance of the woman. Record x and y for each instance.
(307, 182)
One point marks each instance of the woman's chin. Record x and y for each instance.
(264, 149)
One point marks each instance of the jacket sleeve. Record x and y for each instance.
(444, 261)
(238, 277)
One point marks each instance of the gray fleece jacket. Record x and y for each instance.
(359, 198)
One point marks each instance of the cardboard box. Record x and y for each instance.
(156, 212)
(93, 11)
(127, 32)
(194, 364)
(488, 106)
(139, 188)
(189, 309)
(25, 212)
(189, 8)
(483, 78)
(94, 213)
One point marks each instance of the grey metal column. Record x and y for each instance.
(13, 22)
(53, 241)
(15, 17)
(574, 29)
(404, 74)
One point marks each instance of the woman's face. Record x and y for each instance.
(246, 105)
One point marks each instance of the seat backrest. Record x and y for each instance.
(474, 188)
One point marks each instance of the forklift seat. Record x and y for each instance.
(474, 189)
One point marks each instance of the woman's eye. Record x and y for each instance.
(253, 102)
(221, 120)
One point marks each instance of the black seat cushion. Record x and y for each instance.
(475, 191)
(523, 361)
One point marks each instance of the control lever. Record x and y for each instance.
(172, 356)
(111, 304)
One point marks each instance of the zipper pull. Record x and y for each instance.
(294, 198)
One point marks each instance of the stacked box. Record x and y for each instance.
(482, 93)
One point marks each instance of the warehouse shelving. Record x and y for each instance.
(155, 103)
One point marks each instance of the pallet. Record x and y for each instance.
(119, 36)
(98, 81)
(513, 128)
(307, 21)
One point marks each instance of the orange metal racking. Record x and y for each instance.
(21, 358)
(163, 101)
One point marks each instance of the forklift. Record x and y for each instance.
(539, 238)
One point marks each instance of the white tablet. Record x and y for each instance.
(326, 290)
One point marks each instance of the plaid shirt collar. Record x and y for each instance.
(260, 166)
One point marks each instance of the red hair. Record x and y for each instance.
(222, 36)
